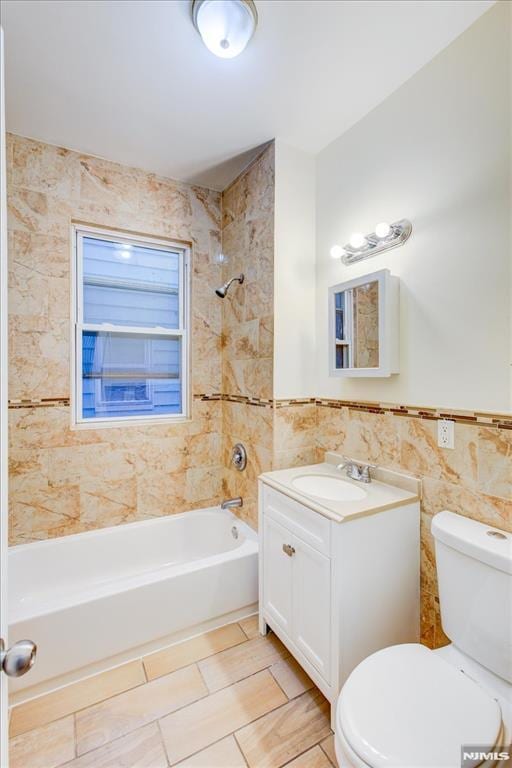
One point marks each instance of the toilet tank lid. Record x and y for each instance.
(483, 542)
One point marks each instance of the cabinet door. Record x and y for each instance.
(312, 606)
(277, 574)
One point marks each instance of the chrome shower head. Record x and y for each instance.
(222, 291)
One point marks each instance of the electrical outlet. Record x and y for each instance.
(445, 433)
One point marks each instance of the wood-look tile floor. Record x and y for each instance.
(226, 699)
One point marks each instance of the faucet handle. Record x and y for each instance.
(365, 472)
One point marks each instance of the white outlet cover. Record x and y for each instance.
(446, 433)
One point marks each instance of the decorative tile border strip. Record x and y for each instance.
(245, 400)
(475, 418)
(44, 402)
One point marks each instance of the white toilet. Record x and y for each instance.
(409, 707)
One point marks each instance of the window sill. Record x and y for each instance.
(97, 424)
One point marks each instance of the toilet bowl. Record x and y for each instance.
(407, 706)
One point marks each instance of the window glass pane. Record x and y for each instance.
(129, 284)
(130, 374)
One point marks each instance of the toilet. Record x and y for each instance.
(410, 707)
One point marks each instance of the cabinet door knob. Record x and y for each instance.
(288, 549)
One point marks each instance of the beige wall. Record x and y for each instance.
(64, 481)
(247, 322)
(295, 336)
(437, 151)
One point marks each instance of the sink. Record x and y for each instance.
(327, 487)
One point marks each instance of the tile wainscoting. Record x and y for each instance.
(65, 481)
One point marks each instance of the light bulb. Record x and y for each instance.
(226, 26)
(382, 230)
(357, 240)
(337, 252)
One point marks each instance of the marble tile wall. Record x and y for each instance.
(64, 481)
(247, 327)
(474, 479)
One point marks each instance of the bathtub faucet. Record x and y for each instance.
(230, 503)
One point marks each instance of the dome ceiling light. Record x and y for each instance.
(225, 26)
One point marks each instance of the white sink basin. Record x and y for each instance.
(327, 487)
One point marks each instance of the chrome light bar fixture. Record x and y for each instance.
(385, 237)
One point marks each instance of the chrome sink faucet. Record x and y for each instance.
(357, 470)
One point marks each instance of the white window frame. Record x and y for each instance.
(78, 232)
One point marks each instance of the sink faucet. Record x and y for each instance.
(356, 470)
(230, 503)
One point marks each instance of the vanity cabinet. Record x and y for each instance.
(297, 584)
(334, 591)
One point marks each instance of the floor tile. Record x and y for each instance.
(250, 626)
(44, 747)
(183, 654)
(282, 735)
(223, 754)
(76, 696)
(241, 661)
(142, 748)
(313, 758)
(328, 747)
(201, 724)
(115, 717)
(291, 677)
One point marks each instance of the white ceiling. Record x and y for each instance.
(130, 80)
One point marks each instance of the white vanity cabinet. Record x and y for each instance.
(336, 590)
(297, 586)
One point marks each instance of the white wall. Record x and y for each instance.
(294, 273)
(437, 152)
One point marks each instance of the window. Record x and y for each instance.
(131, 318)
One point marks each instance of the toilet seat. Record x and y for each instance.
(406, 707)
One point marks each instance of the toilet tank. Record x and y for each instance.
(474, 571)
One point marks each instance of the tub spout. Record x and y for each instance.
(230, 503)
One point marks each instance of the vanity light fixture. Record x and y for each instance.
(225, 26)
(385, 237)
(337, 252)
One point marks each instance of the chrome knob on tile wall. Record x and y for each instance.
(239, 457)
(19, 658)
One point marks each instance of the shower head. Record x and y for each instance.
(222, 291)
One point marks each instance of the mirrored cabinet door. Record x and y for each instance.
(364, 333)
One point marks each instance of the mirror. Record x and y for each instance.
(364, 326)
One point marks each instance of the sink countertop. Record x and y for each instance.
(387, 489)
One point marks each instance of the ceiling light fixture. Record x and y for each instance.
(385, 237)
(225, 26)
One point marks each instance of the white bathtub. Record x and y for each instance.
(96, 599)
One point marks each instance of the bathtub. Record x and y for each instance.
(94, 600)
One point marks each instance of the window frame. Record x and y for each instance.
(78, 233)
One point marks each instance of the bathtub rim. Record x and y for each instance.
(152, 521)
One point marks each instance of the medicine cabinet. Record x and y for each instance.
(364, 326)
